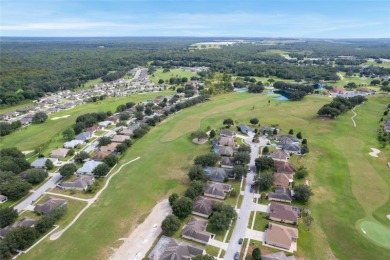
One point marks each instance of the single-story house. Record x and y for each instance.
(83, 136)
(225, 141)
(59, 153)
(265, 130)
(3, 198)
(91, 129)
(281, 236)
(281, 194)
(88, 167)
(40, 163)
(105, 123)
(225, 150)
(120, 138)
(50, 204)
(283, 213)
(217, 190)
(203, 207)
(227, 162)
(109, 148)
(277, 256)
(286, 139)
(72, 144)
(279, 155)
(127, 132)
(218, 174)
(100, 155)
(283, 179)
(292, 148)
(285, 167)
(245, 129)
(169, 248)
(133, 127)
(227, 133)
(80, 183)
(24, 222)
(195, 230)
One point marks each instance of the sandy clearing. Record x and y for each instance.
(145, 234)
(27, 152)
(60, 117)
(374, 152)
(388, 216)
(199, 141)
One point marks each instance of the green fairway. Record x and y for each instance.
(376, 232)
(167, 152)
(49, 134)
(173, 73)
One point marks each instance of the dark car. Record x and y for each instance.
(236, 256)
(252, 189)
(240, 241)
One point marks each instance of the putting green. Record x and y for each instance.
(376, 232)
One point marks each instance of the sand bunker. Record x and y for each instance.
(374, 152)
(56, 118)
(388, 216)
(27, 152)
(199, 141)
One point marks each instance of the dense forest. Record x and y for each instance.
(31, 67)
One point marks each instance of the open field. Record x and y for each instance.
(89, 84)
(34, 136)
(373, 63)
(359, 81)
(173, 73)
(167, 152)
(14, 108)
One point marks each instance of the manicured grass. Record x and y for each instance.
(173, 73)
(212, 250)
(14, 108)
(166, 155)
(229, 236)
(89, 84)
(219, 235)
(373, 63)
(377, 232)
(360, 81)
(260, 221)
(50, 132)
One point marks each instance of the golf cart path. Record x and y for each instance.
(145, 234)
(90, 202)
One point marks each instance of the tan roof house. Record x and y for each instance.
(109, 148)
(279, 155)
(281, 236)
(217, 190)
(119, 138)
(284, 167)
(283, 179)
(80, 183)
(203, 207)
(50, 204)
(283, 213)
(59, 153)
(127, 132)
(195, 230)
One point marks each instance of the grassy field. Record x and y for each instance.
(373, 63)
(14, 108)
(173, 73)
(89, 84)
(50, 132)
(167, 153)
(360, 81)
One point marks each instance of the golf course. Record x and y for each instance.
(351, 188)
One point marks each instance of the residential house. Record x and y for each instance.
(218, 174)
(281, 236)
(100, 155)
(225, 141)
(195, 230)
(109, 148)
(225, 150)
(3, 198)
(91, 129)
(72, 144)
(227, 162)
(294, 148)
(80, 183)
(88, 167)
(268, 130)
(285, 167)
(387, 125)
(24, 222)
(279, 155)
(203, 207)
(83, 136)
(59, 153)
(245, 129)
(113, 119)
(119, 138)
(50, 204)
(284, 213)
(105, 124)
(286, 139)
(217, 190)
(283, 179)
(277, 256)
(133, 127)
(169, 248)
(227, 133)
(281, 194)
(40, 163)
(127, 132)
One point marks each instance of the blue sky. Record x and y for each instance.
(209, 18)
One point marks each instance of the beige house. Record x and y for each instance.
(195, 230)
(281, 236)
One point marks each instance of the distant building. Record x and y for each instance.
(170, 249)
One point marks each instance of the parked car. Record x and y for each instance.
(240, 241)
(236, 256)
(252, 189)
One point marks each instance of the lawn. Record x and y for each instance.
(166, 154)
(25, 104)
(260, 221)
(49, 134)
(173, 73)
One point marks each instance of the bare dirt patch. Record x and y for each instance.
(199, 141)
(60, 117)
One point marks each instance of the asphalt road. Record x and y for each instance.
(246, 206)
